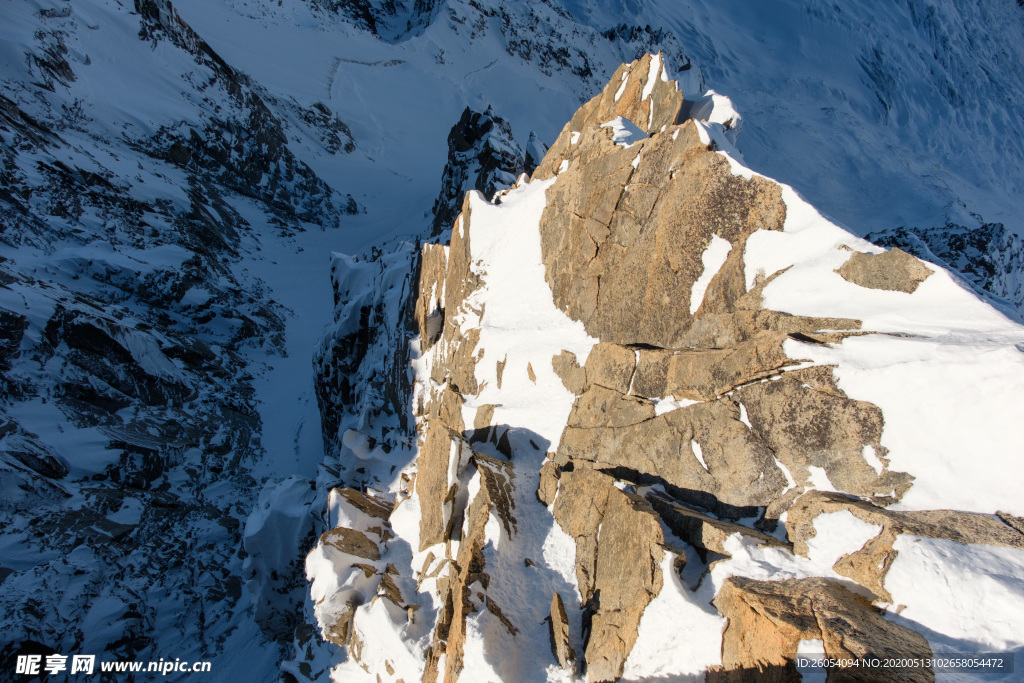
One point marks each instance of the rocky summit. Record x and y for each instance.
(410, 340)
(673, 424)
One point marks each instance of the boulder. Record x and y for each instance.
(568, 369)
(351, 542)
(894, 270)
(548, 487)
(768, 619)
(560, 645)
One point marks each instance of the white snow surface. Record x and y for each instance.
(679, 635)
(961, 598)
(937, 369)
(625, 133)
(713, 258)
(521, 323)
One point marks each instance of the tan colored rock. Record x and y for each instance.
(460, 280)
(569, 371)
(351, 542)
(623, 246)
(457, 361)
(498, 477)
(629, 555)
(429, 310)
(446, 281)
(601, 407)
(1011, 520)
(768, 619)
(618, 574)
(721, 330)
(469, 569)
(432, 484)
(482, 430)
(662, 108)
(611, 366)
(623, 235)
(894, 270)
(579, 509)
(530, 373)
(484, 416)
(548, 487)
(561, 647)
(962, 527)
(339, 632)
(702, 532)
(706, 374)
(610, 430)
(444, 427)
(500, 370)
(808, 421)
(869, 565)
(363, 503)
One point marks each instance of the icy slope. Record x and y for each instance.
(615, 478)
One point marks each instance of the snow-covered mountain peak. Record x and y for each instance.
(661, 403)
(183, 185)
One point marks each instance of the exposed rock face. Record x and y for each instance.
(618, 553)
(639, 91)
(623, 238)
(391, 21)
(482, 156)
(611, 430)
(560, 645)
(625, 227)
(894, 270)
(568, 369)
(615, 429)
(768, 619)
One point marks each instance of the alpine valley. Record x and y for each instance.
(454, 340)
